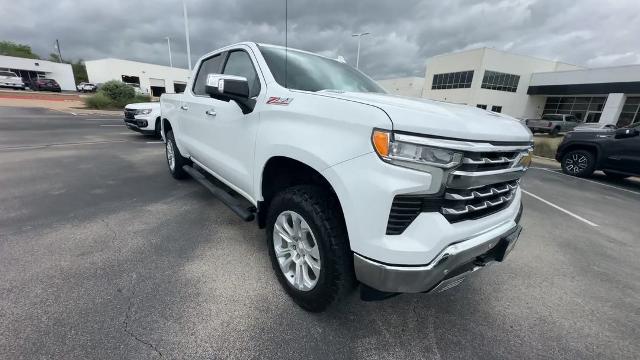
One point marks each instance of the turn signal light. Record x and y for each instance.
(380, 141)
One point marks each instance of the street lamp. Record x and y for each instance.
(359, 35)
(186, 31)
(169, 45)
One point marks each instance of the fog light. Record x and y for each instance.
(142, 123)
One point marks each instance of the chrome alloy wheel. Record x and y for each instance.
(297, 250)
(171, 157)
(576, 163)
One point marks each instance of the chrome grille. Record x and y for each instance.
(129, 113)
(466, 204)
(484, 183)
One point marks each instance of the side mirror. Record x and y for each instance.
(626, 133)
(227, 85)
(230, 87)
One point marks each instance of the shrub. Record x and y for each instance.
(120, 93)
(115, 95)
(141, 98)
(99, 101)
(546, 147)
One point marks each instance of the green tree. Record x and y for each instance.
(79, 71)
(54, 57)
(9, 48)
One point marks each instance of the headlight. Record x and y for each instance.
(143, 111)
(414, 156)
(524, 160)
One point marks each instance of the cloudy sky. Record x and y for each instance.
(403, 32)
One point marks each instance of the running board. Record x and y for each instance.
(234, 204)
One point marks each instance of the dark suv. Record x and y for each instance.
(45, 84)
(614, 151)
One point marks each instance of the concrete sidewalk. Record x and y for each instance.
(72, 106)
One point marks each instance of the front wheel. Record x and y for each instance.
(309, 247)
(580, 163)
(175, 160)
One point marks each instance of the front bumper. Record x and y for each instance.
(12, 85)
(140, 125)
(446, 270)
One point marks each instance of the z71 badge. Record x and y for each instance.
(275, 100)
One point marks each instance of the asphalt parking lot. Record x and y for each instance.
(104, 255)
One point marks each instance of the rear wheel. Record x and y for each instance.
(615, 176)
(580, 163)
(554, 131)
(175, 160)
(309, 247)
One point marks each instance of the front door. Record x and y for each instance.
(226, 136)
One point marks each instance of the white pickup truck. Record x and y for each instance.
(352, 185)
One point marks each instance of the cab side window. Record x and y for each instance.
(208, 66)
(239, 63)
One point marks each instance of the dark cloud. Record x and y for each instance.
(404, 32)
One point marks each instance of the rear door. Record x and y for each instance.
(624, 155)
(193, 119)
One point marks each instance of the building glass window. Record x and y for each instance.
(496, 108)
(482, 106)
(585, 108)
(456, 80)
(132, 80)
(630, 112)
(494, 80)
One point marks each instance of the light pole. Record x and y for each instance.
(359, 35)
(169, 45)
(186, 31)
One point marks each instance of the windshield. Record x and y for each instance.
(315, 73)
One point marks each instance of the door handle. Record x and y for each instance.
(184, 107)
(210, 112)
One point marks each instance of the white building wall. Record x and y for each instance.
(62, 73)
(409, 86)
(100, 71)
(588, 76)
(517, 104)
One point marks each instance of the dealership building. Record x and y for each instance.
(527, 87)
(32, 69)
(150, 78)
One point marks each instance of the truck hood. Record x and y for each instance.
(439, 118)
(146, 105)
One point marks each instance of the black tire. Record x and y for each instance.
(615, 176)
(179, 161)
(580, 163)
(554, 132)
(157, 128)
(321, 210)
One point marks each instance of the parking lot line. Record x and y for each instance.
(102, 119)
(154, 142)
(112, 125)
(558, 172)
(9, 148)
(559, 208)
